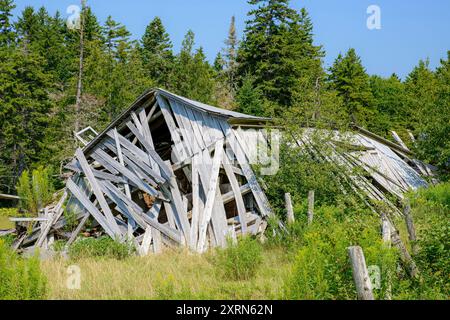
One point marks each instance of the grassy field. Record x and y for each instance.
(5, 223)
(171, 275)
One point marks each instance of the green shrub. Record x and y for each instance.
(239, 261)
(37, 192)
(20, 279)
(9, 212)
(321, 269)
(431, 214)
(101, 247)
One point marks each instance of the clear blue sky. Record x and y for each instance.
(411, 29)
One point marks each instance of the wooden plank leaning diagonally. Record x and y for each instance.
(91, 208)
(57, 212)
(211, 195)
(180, 148)
(120, 157)
(139, 215)
(97, 191)
(180, 212)
(125, 172)
(197, 204)
(146, 132)
(237, 192)
(152, 154)
(131, 157)
(258, 193)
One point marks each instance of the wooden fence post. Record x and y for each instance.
(386, 235)
(410, 226)
(289, 208)
(386, 230)
(310, 206)
(360, 273)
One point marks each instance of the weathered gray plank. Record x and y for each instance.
(260, 197)
(360, 273)
(211, 195)
(126, 172)
(81, 197)
(237, 194)
(289, 208)
(180, 212)
(150, 151)
(96, 190)
(180, 150)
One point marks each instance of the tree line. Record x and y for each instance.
(55, 80)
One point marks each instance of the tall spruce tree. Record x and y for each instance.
(24, 110)
(7, 34)
(116, 37)
(193, 77)
(428, 101)
(157, 52)
(349, 78)
(230, 55)
(277, 50)
(434, 143)
(389, 103)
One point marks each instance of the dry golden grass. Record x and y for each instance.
(5, 223)
(171, 275)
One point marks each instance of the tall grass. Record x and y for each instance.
(20, 279)
(240, 260)
(174, 274)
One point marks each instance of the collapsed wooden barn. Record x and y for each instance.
(170, 171)
(167, 171)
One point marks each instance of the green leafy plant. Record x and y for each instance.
(321, 268)
(35, 192)
(9, 212)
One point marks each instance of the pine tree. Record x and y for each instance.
(157, 52)
(116, 37)
(230, 55)
(389, 103)
(428, 101)
(219, 64)
(249, 98)
(7, 35)
(277, 50)
(28, 28)
(24, 108)
(349, 78)
(193, 77)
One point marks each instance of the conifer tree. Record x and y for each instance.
(7, 35)
(349, 78)
(389, 103)
(24, 110)
(157, 52)
(277, 50)
(230, 55)
(249, 98)
(193, 77)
